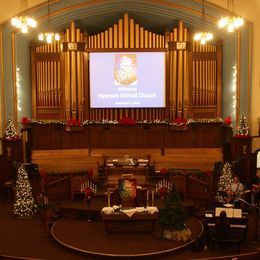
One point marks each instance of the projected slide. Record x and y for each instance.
(127, 79)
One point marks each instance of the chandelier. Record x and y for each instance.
(23, 20)
(203, 37)
(230, 21)
(48, 36)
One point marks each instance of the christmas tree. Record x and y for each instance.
(173, 216)
(243, 129)
(224, 182)
(10, 131)
(24, 205)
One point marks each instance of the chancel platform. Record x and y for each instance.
(91, 239)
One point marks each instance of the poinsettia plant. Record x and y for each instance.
(127, 121)
(180, 121)
(163, 190)
(73, 122)
(228, 120)
(25, 120)
(88, 193)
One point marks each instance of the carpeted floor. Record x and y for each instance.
(26, 238)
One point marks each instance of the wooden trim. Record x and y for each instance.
(33, 81)
(3, 111)
(238, 77)
(14, 79)
(219, 80)
(42, 56)
(128, 50)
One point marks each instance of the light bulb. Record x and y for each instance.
(14, 21)
(203, 40)
(24, 28)
(223, 22)
(49, 38)
(57, 37)
(40, 37)
(209, 36)
(230, 27)
(197, 36)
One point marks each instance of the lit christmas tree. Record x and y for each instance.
(10, 131)
(243, 129)
(224, 182)
(24, 205)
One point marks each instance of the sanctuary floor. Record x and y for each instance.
(26, 238)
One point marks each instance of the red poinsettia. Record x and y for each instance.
(88, 192)
(163, 190)
(228, 120)
(25, 120)
(73, 122)
(127, 121)
(179, 121)
(163, 171)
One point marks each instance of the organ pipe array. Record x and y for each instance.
(60, 73)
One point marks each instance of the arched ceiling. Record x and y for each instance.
(97, 15)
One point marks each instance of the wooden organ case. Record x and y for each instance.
(60, 74)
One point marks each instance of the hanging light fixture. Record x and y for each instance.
(23, 20)
(49, 37)
(230, 21)
(203, 37)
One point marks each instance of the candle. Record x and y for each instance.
(108, 198)
(152, 197)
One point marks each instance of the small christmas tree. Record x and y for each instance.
(173, 216)
(10, 131)
(243, 129)
(24, 205)
(224, 182)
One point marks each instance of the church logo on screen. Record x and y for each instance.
(125, 72)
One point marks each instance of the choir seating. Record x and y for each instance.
(66, 160)
(187, 158)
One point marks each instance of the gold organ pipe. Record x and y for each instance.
(110, 33)
(193, 83)
(171, 74)
(137, 35)
(126, 31)
(141, 37)
(120, 33)
(79, 75)
(106, 39)
(102, 40)
(154, 40)
(98, 41)
(174, 72)
(146, 39)
(150, 39)
(67, 80)
(180, 72)
(73, 84)
(197, 83)
(132, 33)
(115, 36)
(185, 77)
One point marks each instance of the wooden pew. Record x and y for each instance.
(187, 158)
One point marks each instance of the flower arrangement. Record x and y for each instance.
(88, 193)
(73, 122)
(179, 121)
(228, 120)
(127, 121)
(25, 120)
(163, 171)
